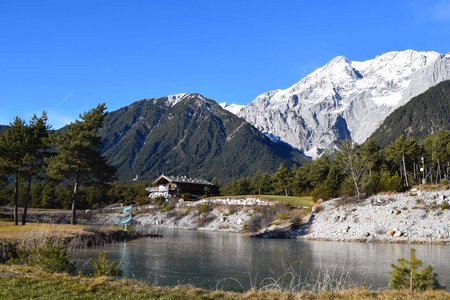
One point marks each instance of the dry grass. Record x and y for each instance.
(11, 232)
(21, 282)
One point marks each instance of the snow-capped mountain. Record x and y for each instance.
(233, 108)
(345, 99)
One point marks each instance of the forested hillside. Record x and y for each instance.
(189, 135)
(423, 115)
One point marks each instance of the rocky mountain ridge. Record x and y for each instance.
(345, 99)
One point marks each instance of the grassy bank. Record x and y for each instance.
(11, 233)
(13, 238)
(21, 282)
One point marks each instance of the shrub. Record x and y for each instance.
(142, 200)
(347, 188)
(231, 210)
(445, 205)
(103, 267)
(166, 206)
(296, 216)
(408, 276)
(49, 257)
(282, 215)
(390, 183)
(159, 200)
(203, 208)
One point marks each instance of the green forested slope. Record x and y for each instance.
(195, 137)
(422, 115)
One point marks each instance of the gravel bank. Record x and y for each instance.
(414, 217)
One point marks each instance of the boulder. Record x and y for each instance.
(398, 233)
(390, 232)
(395, 211)
(345, 229)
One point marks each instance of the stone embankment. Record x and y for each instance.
(218, 214)
(416, 216)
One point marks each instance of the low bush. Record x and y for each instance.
(159, 200)
(445, 205)
(282, 215)
(204, 208)
(49, 257)
(104, 267)
(166, 206)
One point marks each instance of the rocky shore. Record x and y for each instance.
(417, 216)
(216, 218)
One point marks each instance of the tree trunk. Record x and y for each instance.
(27, 200)
(404, 170)
(356, 186)
(74, 196)
(285, 191)
(411, 286)
(439, 175)
(16, 200)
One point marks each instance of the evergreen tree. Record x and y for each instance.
(400, 152)
(281, 180)
(78, 159)
(13, 149)
(407, 275)
(436, 147)
(37, 149)
(260, 182)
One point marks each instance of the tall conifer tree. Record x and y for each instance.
(78, 159)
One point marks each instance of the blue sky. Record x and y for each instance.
(67, 56)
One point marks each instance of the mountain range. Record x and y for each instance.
(188, 134)
(345, 99)
(393, 94)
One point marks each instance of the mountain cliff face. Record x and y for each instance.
(187, 134)
(345, 99)
(422, 115)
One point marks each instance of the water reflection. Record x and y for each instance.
(205, 259)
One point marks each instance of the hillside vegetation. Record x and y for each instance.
(421, 116)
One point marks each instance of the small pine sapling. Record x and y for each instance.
(408, 275)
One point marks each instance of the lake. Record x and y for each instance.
(233, 262)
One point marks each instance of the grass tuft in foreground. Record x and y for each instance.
(19, 282)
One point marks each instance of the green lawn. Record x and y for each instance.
(291, 200)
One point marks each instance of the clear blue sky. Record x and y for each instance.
(67, 56)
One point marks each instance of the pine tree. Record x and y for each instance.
(36, 151)
(281, 179)
(400, 152)
(78, 159)
(13, 149)
(407, 275)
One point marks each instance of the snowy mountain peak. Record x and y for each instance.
(345, 99)
(175, 98)
(233, 108)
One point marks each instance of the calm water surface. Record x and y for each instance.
(205, 259)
